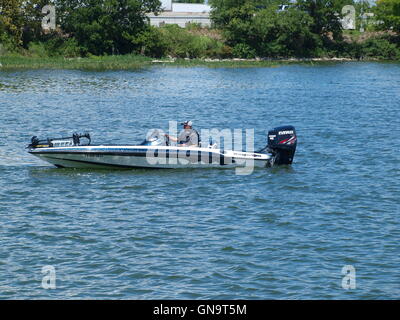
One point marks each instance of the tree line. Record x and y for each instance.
(241, 28)
(308, 28)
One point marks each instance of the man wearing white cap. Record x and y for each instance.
(188, 136)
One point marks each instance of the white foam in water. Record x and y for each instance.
(10, 157)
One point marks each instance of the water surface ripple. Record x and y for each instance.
(280, 233)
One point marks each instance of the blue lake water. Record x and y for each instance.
(279, 233)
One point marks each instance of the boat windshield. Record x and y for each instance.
(154, 138)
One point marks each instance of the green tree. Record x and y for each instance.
(20, 22)
(326, 16)
(32, 16)
(105, 26)
(284, 33)
(388, 11)
(11, 21)
(236, 23)
(260, 29)
(223, 11)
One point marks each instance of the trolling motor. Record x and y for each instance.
(282, 142)
(75, 140)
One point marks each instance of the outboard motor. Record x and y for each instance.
(282, 142)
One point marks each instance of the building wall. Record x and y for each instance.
(181, 20)
(169, 5)
(190, 7)
(166, 5)
(181, 14)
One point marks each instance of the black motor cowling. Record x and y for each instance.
(282, 142)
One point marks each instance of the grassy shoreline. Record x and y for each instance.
(123, 62)
(134, 62)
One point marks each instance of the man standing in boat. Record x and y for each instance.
(188, 137)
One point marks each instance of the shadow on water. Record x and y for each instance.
(116, 171)
(157, 172)
(78, 171)
(281, 169)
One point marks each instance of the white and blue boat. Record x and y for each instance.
(156, 152)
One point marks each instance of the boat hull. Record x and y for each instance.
(127, 157)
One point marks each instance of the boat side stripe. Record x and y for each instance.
(105, 164)
(92, 153)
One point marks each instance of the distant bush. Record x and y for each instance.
(283, 34)
(38, 49)
(66, 47)
(380, 48)
(55, 47)
(242, 50)
(180, 42)
(7, 45)
(172, 40)
(193, 26)
(151, 43)
(266, 32)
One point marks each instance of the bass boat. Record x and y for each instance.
(157, 152)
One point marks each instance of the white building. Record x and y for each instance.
(181, 14)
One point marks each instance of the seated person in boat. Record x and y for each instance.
(188, 137)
